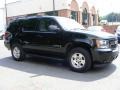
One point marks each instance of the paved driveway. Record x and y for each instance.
(43, 74)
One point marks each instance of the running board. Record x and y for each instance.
(46, 57)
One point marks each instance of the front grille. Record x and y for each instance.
(113, 43)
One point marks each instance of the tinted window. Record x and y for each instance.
(52, 13)
(31, 25)
(45, 23)
(14, 27)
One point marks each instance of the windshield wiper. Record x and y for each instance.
(77, 29)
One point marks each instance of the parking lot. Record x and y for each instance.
(42, 74)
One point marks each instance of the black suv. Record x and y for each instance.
(61, 38)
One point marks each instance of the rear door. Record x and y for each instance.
(29, 28)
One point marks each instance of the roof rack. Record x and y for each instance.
(27, 17)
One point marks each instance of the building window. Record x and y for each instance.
(94, 20)
(85, 16)
(74, 15)
(52, 13)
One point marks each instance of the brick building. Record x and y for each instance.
(78, 10)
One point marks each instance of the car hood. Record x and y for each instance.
(97, 34)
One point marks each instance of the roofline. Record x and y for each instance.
(33, 17)
(13, 2)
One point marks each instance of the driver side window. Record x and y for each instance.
(45, 23)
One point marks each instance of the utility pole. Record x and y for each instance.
(54, 7)
(5, 4)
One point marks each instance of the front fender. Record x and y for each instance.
(79, 43)
(84, 41)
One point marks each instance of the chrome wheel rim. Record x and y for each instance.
(16, 52)
(78, 60)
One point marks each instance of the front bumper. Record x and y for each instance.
(103, 56)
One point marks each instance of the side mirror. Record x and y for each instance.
(53, 28)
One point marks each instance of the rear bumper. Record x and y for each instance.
(7, 45)
(1, 36)
(102, 56)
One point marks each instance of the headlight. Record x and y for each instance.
(102, 43)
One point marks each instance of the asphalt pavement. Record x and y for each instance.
(44, 74)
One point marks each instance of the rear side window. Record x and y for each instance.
(13, 27)
(30, 25)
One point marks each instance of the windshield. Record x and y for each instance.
(69, 24)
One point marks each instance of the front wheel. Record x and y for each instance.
(17, 52)
(79, 60)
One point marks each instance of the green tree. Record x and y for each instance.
(113, 17)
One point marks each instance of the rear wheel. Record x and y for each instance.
(79, 60)
(17, 52)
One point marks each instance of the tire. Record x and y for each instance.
(17, 52)
(79, 60)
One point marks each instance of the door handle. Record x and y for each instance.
(39, 36)
(25, 42)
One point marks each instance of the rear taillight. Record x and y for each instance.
(7, 35)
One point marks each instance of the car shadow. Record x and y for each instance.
(54, 68)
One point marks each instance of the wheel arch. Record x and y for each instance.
(83, 45)
(15, 41)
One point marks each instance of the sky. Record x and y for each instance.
(104, 6)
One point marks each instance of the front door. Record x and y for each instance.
(48, 42)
